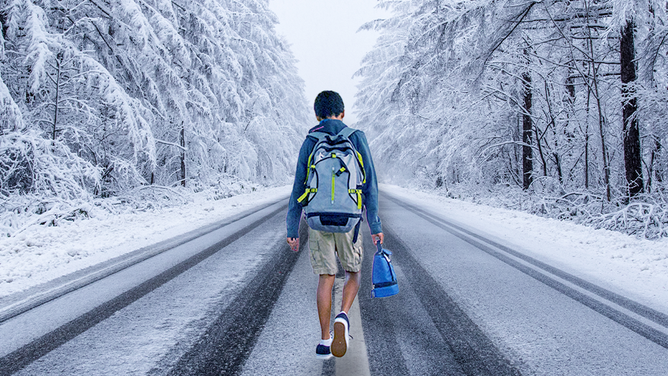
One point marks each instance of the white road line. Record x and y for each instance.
(355, 362)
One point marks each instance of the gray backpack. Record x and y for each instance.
(333, 197)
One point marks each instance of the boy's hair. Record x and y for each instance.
(328, 103)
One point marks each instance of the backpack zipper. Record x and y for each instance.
(333, 183)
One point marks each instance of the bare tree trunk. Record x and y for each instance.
(658, 171)
(553, 125)
(570, 88)
(586, 146)
(652, 165)
(587, 158)
(182, 142)
(604, 147)
(527, 130)
(601, 118)
(539, 145)
(54, 130)
(632, 152)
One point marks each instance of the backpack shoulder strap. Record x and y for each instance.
(346, 132)
(317, 135)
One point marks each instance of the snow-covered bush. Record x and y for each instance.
(30, 164)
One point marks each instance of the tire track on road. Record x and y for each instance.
(227, 343)
(464, 348)
(77, 280)
(20, 358)
(229, 340)
(590, 295)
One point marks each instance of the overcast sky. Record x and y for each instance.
(324, 39)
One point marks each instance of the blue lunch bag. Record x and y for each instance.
(383, 277)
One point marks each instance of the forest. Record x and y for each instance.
(117, 103)
(555, 107)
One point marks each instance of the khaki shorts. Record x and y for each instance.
(325, 246)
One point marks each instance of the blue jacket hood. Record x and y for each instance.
(331, 126)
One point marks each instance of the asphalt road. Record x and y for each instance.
(242, 303)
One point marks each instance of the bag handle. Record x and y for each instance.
(386, 254)
(382, 250)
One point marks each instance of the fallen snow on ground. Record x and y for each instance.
(636, 268)
(41, 253)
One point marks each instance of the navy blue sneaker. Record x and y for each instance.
(322, 351)
(340, 342)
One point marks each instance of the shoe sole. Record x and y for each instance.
(339, 344)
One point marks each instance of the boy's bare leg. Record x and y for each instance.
(324, 298)
(350, 289)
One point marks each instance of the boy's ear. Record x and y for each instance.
(340, 116)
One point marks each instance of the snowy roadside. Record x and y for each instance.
(40, 253)
(633, 267)
(636, 268)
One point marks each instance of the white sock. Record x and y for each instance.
(326, 342)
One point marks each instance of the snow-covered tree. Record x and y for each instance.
(560, 98)
(151, 92)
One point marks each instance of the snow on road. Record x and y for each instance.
(634, 267)
(40, 253)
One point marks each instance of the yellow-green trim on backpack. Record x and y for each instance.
(359, 157)
(359, 196)
(306, 192)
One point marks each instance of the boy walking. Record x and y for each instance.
(325, 247)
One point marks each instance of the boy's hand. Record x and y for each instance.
(379, 237)
(294, 244)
